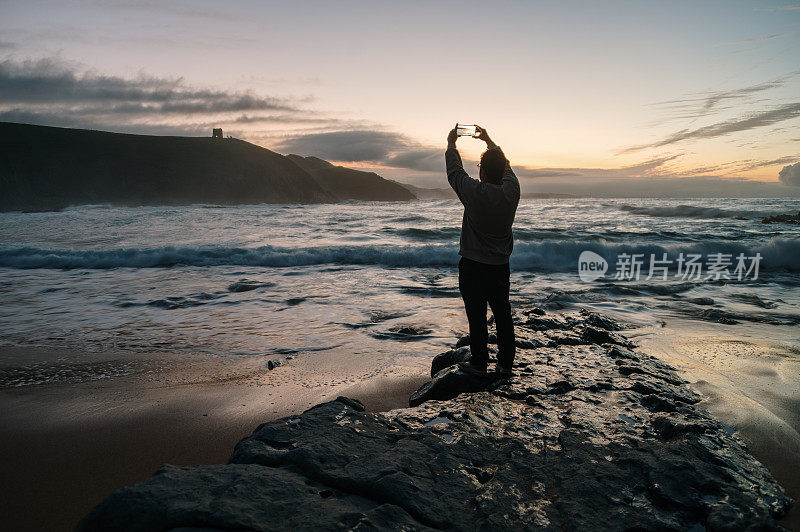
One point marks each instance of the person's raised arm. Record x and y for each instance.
(461, 182)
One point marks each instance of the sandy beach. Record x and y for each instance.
(67, 446)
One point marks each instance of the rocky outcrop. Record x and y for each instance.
(783, 219)
(583, 436)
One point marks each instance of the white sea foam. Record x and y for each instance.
(552, 255)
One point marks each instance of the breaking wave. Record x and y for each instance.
(691, 211)
(777, 254)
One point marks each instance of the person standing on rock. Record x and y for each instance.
(486, 244)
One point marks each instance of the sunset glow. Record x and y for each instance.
(581, 90)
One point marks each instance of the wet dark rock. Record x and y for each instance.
(701, 301)
(617, 351)
(546, 324)
(581, 437)
(565, 338)
(403, 333)
(719, 316)
(664, 389)
(596, 335)
(753, 299)
(464, 340)
(449, 383)
(783, 219)
(355, 404)
(179, 302)
(667, 428)
(272, 364)
(560, 387)
(559, 300)
(654, 403)
(657, 372)
(245, 285)
(461, 342)
(601, 385)
(598, 320)
(528, 344)
(449, 358)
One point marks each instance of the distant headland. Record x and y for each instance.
(49, 168)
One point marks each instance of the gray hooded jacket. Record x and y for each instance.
(488, 211)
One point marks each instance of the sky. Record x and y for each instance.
(606, 98)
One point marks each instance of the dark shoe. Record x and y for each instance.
(466, 367)
(503, 373)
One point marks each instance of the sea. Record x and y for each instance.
(374, 278)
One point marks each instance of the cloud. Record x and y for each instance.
(790, 175)
(650, 167)
(704, 103)
(752, 165)
(383, 148)
(45, 81)
(420, 159)
(54, 92)
(760, 119)
(291, 119)
(714, 98)
(755, 39)
(149, 7)
(349, 146)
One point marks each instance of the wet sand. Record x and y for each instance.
(64, 447)
(747, 382)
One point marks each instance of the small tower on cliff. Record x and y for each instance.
(216, 133)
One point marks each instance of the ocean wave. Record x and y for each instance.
(776, 254)
(421, 233)
(553, 255)
(691, 211)
(525, 234)
(265, 256)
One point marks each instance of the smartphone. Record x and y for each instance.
(465, 130)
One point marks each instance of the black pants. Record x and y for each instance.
(480, 284)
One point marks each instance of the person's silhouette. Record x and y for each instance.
(486, 244)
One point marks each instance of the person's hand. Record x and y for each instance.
(452, 137)
(484, 136)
